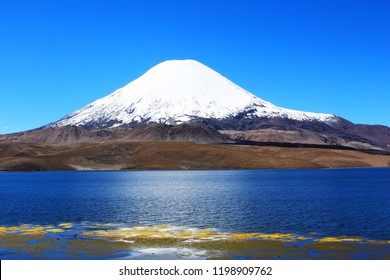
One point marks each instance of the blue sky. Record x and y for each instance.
(321, 56)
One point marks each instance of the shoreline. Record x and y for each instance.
(162, 170)
(107, 241)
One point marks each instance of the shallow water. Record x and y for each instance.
(110, 241)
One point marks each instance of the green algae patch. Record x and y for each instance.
(111, 241)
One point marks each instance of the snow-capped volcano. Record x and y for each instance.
(177, 91)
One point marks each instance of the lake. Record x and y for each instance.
(329, 202)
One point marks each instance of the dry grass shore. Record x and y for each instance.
(171, 155)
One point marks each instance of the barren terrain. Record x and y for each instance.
(172, 155)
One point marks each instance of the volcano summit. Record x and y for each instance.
(186, 91)
(178, 91)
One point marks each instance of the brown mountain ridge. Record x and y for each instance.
(185, 146)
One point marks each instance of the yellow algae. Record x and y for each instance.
(146, 231)
(49, 227)
(300, 237)
(167, 233)
(3, 230)
(276, 236)
(380, 241)
(66, 225)
(182, 234)
(99, 224)
(55, 230)
(329, 239)
(162, 234)
(25, 229)
(220, 236)
(208, 234)
(340, 239)
(26, 226)
(113, 240)
(160, 231)
(12, 229)
(125, 232)
(204, 235)
(164, 227)
(89, 233)
(355, 239)
(97, 233)
(37, 230)
(243, 236)
(107, 233)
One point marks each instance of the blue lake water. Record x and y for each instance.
(338, 202)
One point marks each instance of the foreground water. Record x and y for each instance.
(292, 205)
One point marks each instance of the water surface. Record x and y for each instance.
(339, 202)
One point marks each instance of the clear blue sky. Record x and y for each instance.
(322, 56)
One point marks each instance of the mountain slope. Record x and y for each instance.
(179, 91)
(185, 91)
(71, 134)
